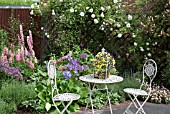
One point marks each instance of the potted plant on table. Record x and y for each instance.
(103, 65)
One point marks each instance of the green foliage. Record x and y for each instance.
(130, 82)
(166, 72)
(152, 40)
(16, 92)
(90, 24)
(6, 108)
(3, 38)
(13, 29)
(16, 2)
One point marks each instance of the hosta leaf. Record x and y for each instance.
(47, 106)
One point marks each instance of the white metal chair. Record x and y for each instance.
(56, 97)
(149, 72)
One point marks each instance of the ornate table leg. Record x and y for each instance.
(108, 97)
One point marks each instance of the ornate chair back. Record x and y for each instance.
(149, 73)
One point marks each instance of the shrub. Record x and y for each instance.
(3, 38)
(166, 72)
(16, 92)
(6, 108)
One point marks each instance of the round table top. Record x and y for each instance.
(90, 78)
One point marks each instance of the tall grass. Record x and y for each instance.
(13, 93)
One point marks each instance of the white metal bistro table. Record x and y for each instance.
(91, 80)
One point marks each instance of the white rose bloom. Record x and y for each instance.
(118, 25)
(135, 44)
(148, 49)
(129, 17)
(156, 43)
(102, 28)
(82, 14)
(53, 12)
(93, 16)
(91, 10)
(133, 35)
(87, 8)
(102, 8)
(42, 28)
(48, 36)
(102, 14)
(96, 21)
(128, 25)
(147, 43)
(32, 12)
(141, 48)
(61, 0)
(111, 29)
(46, 33)
(108, 7)
(149, 54)
(115, 1)
(32, 5)
(71, 10)
(119, 35)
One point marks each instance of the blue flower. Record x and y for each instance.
(76, 72)
(67, 74)
(69, 66)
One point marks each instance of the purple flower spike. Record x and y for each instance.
(67, 74)
(84, 55)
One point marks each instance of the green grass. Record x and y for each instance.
(16, 2)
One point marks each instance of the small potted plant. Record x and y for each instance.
(103, 64)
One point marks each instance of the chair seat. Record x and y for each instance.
(66, 97)
(135, 91)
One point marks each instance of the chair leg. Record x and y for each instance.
(56, 107)
(65, 108)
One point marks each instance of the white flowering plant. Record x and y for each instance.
(84, 22)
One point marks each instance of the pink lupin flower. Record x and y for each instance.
(11, 59)
(31, 65)
(12, 56)
(6, 52)
(21, 34)
(22, 54)
(30, 35)
(35, 60)
(29, 43)
(33, 53)
(64, 57)
(18, 57)
(26, 52)
(3, 58)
